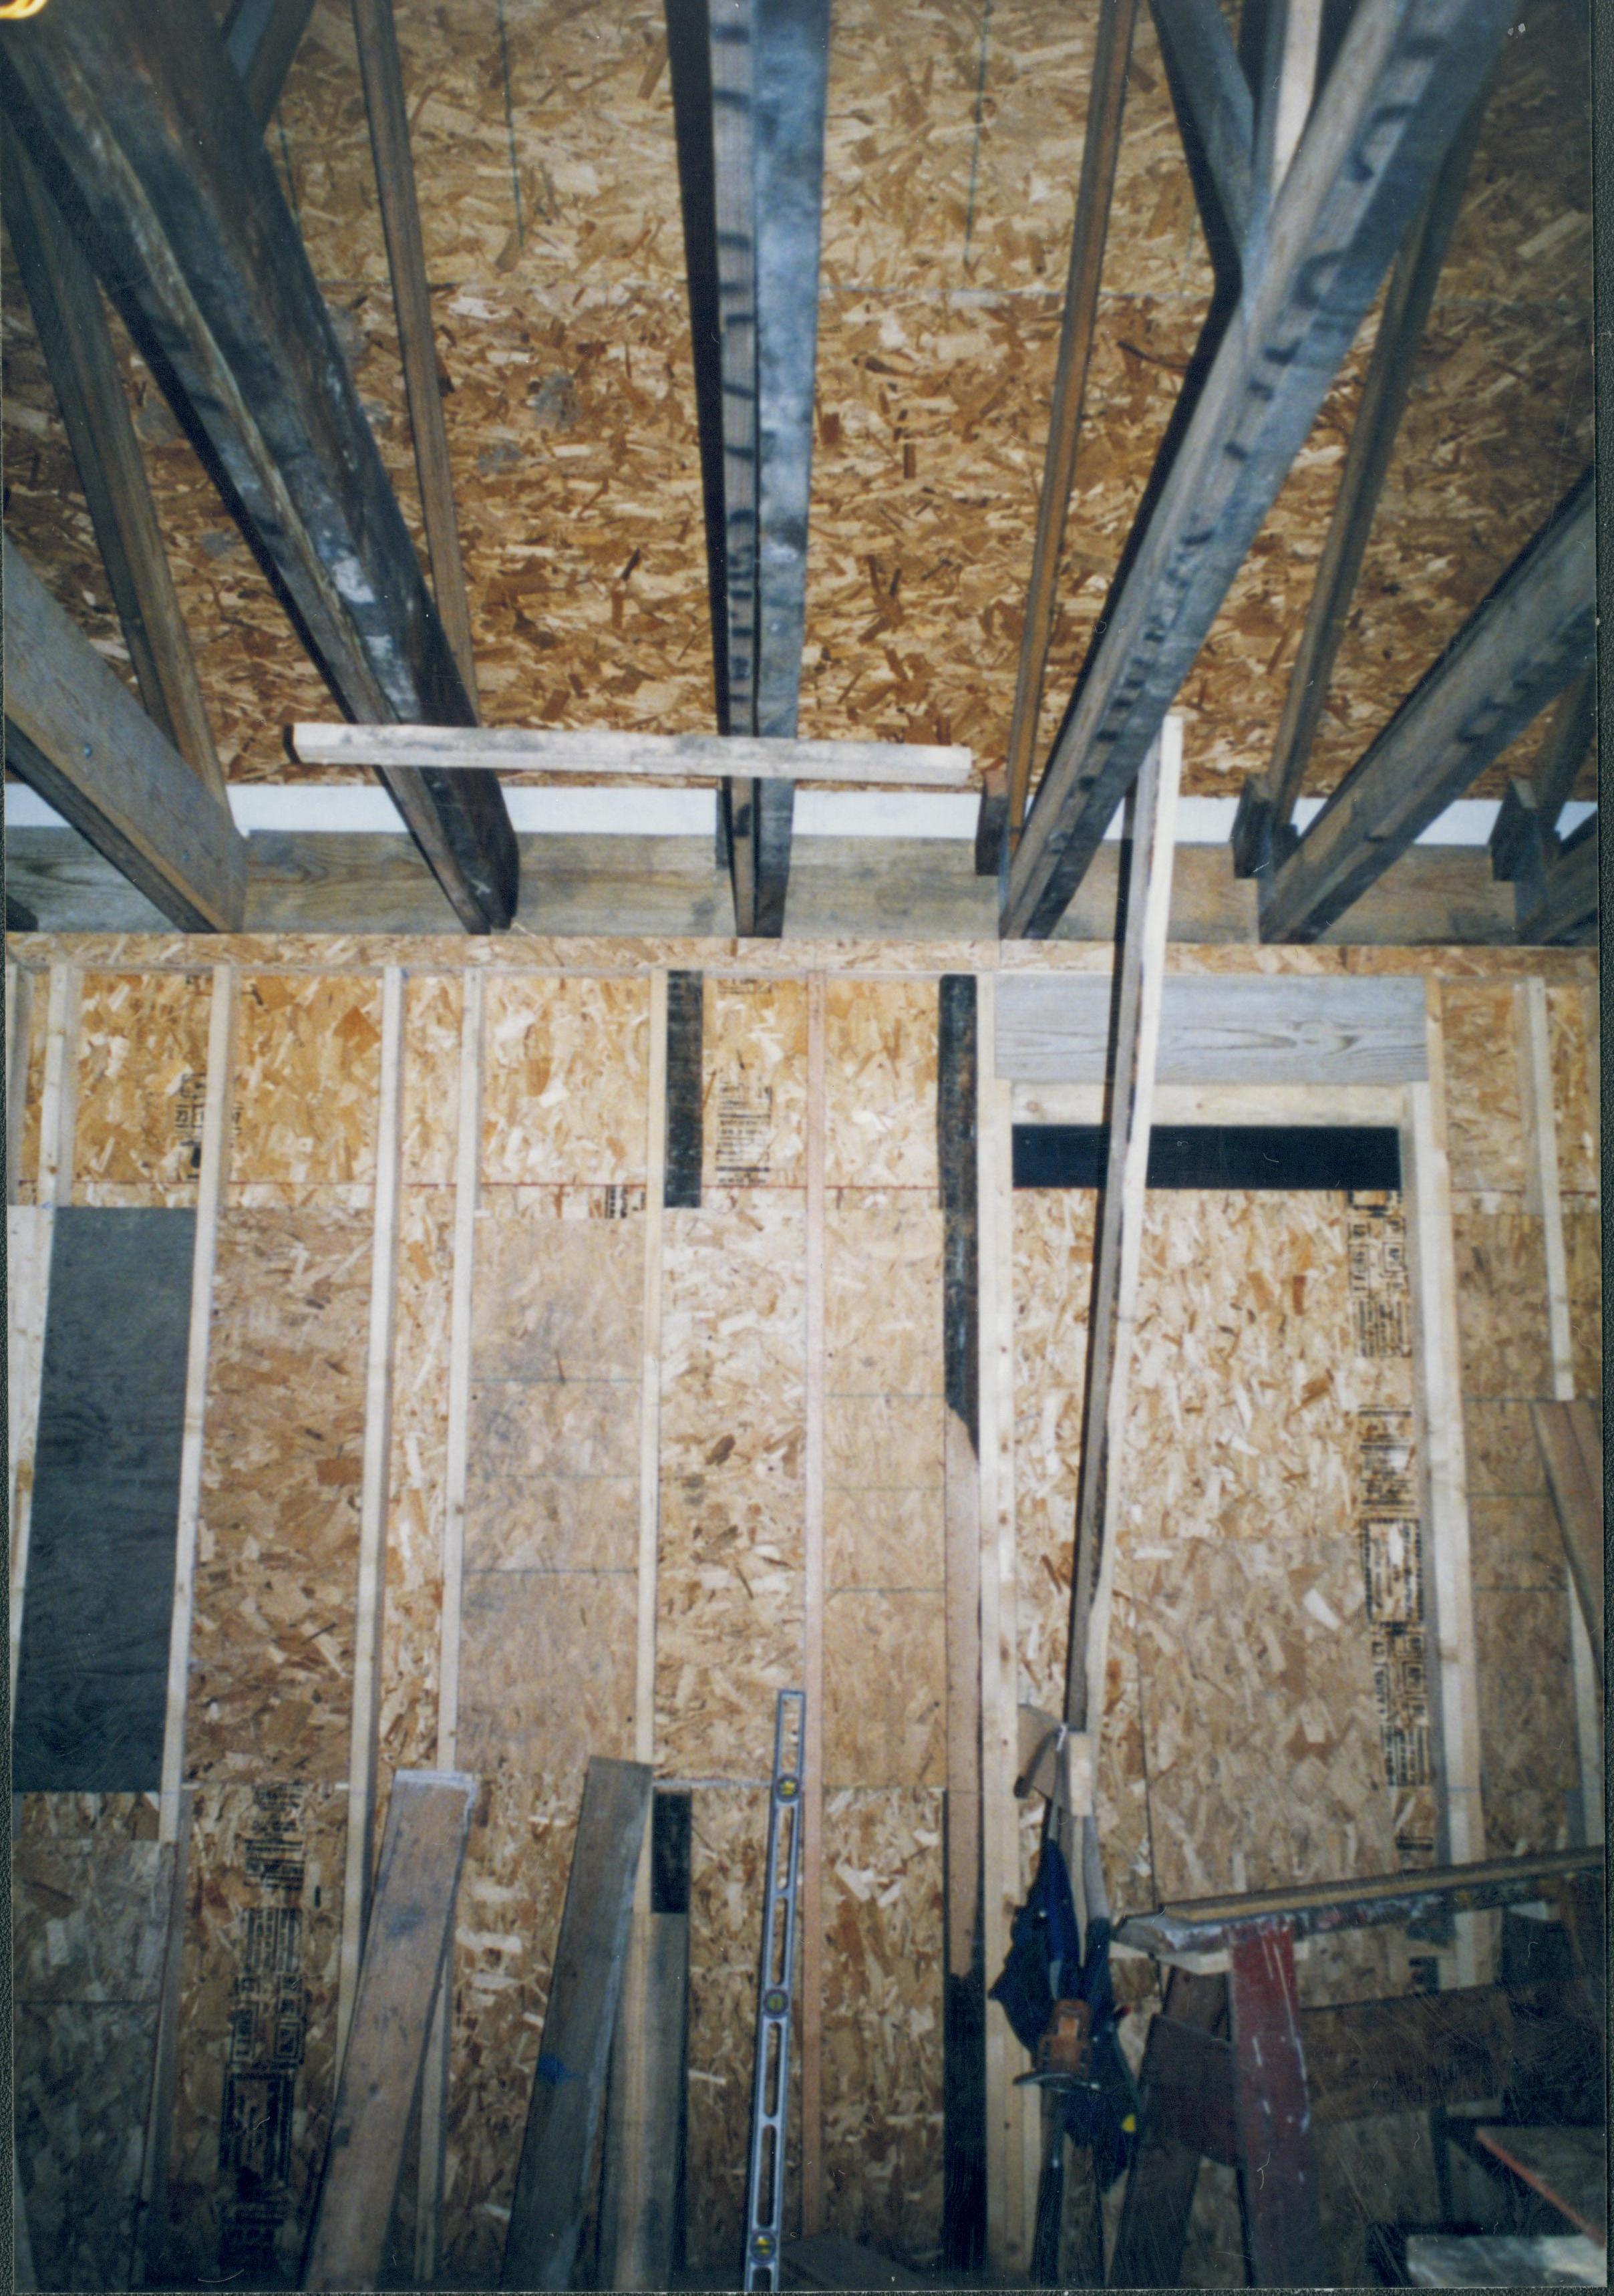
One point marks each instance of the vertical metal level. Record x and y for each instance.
(771, 2089)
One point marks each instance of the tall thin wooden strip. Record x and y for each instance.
(1544, 1196)
(649, 1373)
(468, 1158)
(19, 1041)
(1142, 972)
(1011, 2130)
(1438, 1369)
(150, 2208)
(29, 1237)
(812, 1751)
(373, 1506)
(216, 1129)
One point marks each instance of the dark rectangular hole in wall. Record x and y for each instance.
(1287, 1158)
(92, 1689)
(670, 1848)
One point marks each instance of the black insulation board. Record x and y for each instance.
(1287, 1158)
(93, 1675)
(955, 1136)
(686, 1053)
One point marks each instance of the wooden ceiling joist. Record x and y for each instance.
(1560, 903)
(1403, 78)
(1267, 805)
(376, 34)
(65, 299)
(262, 37)
(140, 111)
(1530, 637)
(749, 80)
(1100, 149)
(634, 756)
(75, 733)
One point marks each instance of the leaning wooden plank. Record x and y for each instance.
(1120, 1230)
(262, 37)
(376, 34)
(405, 1948)
(1403, 78)
(642, 2190)
(76, 733)
(142, 111)
(1214, 105)
(1372, 437)
(1531, 636)
(811, 1880)
(633, 757)
(1217, 1031)
(552, 2193)
(1570, 1441)
(65, 299)
(1101, 147)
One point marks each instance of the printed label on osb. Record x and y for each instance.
(745, 1130)
(1380, 1297)
(268, 2029)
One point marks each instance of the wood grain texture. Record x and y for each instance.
(550, 2195)
(674, 757)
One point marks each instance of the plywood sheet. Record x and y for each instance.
(884, 1687)
(564, 1079)
(559, 1287)
(277, 1546)
(753, 1087)
(729, 1570)
(883, 1292)
(1528, 1761)
(882, 2019)
(555, 1477)
(1485, 1123)
(1583, 1251)
(256, 2068)
(1502, 1455)
(142, 1064)
(1515, 1543)
(89, 1918)
(879, 1085)
(1054, 1247)
(432, 1011)
(417, 1479)
(307, 1074)
(547, 1661)
(887, 1538)
(83, 2076)
(1502, 1312)
(1263, 1739)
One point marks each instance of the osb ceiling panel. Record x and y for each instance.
(544, 148)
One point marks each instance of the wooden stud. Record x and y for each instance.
(1121, 1232)
(262, 38)
(1012, 2130)
(408, 1943)
(552, 2194)
(1426, 1182)
(811, 1893)
(698, 757)
(1544, 1197)
(382, 71)
(467, 1171)
(650, 1376)
(1272, 2109)
(19, 1044)
(1101, 148)
(1322, 1107)
(1216, 112)
(1572, 1446)
(212, 1180)
(363, 1756)
(30, 1235)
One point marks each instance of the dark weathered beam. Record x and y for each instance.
(1100, 149)
(76, 733)
(1406, 73)
(65, 299)
(137, 115)
(383, 77)
(1215, 109)
(749, 85)
(1372, 439)
(1561, 902)
(262, 38)
(1532, 635)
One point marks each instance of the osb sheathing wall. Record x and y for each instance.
(1245, 1731)
(543, 146)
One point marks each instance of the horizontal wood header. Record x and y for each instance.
(1221, 1030)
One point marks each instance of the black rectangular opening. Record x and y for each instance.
(1284, 1156)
